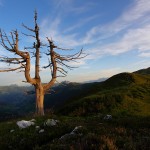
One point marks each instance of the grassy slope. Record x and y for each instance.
(95, 134)
(124, 94)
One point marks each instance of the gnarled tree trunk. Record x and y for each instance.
(39, 100)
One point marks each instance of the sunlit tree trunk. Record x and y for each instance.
(39, 100)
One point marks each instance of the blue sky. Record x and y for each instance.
(115, 34)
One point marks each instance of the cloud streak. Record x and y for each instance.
(135, 39)
(122, 35)
(131, 38)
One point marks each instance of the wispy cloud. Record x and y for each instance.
(141, 64)
(137, 12)
(81, 22)
(145, 54)
(68, 6)
(134, 39)
(67, 36)
(126, 33)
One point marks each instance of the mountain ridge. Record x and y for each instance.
(68, 95)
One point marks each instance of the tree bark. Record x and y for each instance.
(39, 100)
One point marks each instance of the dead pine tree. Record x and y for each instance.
(22, 58)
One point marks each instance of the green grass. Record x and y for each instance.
(128, 133)
(125, 94)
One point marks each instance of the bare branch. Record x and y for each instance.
(10, 69)
(8, 40)
(28, 35)
(3, 41)
(49, 65)
(62, 69)
(12, 36)
(28, 28)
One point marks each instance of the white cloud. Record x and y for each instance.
(145, 54)
(141, 64)
(52, 31)
(52, 27)
(138, 12)
(134, 39)
(134, 27)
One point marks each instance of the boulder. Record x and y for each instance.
(24, 124)
(51, 122)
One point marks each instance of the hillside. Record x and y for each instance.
(124, 94)
(13, 98)
(143, 71)
(80, 116)
(18, 101)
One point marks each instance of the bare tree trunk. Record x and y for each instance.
(39, 100)
(56, 61)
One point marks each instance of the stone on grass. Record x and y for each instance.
(12, 130)
(41, 131)
(24, 124)
(51, 122)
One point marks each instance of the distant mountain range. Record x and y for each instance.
(122, 94)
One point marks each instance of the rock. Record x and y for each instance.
(24, 124)
(108, 117)
(37, 127)
(51, 122)
(12, 131)
(71, 134)
(41, 131)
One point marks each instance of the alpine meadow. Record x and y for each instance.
(75, 75)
